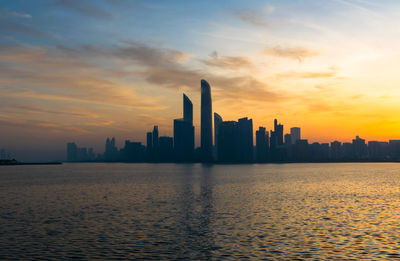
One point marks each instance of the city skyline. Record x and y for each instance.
(233, 143)
(85, 70)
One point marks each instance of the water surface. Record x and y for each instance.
(202, 212)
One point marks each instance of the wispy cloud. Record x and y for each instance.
(297, 53)
(306, 75)
(14, 27)
(5, 14)
(254, 18)
(228, 62)
(86, 8)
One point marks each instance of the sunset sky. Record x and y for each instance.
(80, 70)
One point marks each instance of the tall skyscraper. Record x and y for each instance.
(278, 128)
(184, 133)
(206, 121)
(245, 140)
(155, 137)
(295, 134)
(187, 109)
(261, 145)
(155, 143)
(217, 122)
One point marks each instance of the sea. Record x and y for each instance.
(115, 211)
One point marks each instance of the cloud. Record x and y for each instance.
(14, 14)
(47, 74)
(13, 27)
(306, 75)
(228, 62)
(297, 53)
(166, 67)
(85, 8)
(254, 18)
(44, 126)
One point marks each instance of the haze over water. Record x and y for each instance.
(288, 211)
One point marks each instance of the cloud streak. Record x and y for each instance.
(296, 53)
(253, 18)
(85, 8)
(228, 62)
(14, 27)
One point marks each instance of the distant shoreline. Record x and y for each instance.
(237, 163)
(15, 163)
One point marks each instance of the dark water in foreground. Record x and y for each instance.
(167, 211)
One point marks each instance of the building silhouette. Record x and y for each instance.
(262, 145)
(295, 134)
(227, 141)
(336, 150)
(72, 151)
(133, 152)
(166, 145)
(187, 109)
(206, 122)
(360, 148)
(244, 140)
(217, 122)
(111, 152)
(184, 133)
(155, 149)
(149, 145)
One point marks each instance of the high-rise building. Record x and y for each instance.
(155, 140)
(278, 128)
(261, 145)
(184, 133)
(378, 149)
(336, 150)
(295, 134)
(206, 121)
(72, 152)
(288, 140)
(227, 141)
(244, 140)
(166, 145)
(133, 151)
(111, 151)
(149, 144)
(217, 122)
(360, 148)
(187, 109)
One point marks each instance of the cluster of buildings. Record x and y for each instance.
(5, 155)
(233, 143)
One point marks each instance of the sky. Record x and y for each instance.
(83, 70)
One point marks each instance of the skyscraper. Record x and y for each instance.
(217, 122)
(206, 121)
(295, 134)
(155, 142)
(149, 144)
(245, 140)
(278, 128)
(155, 137)
(261, 145)
(184, 133)
(227, 145)
(72, 152)
(187, 109)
